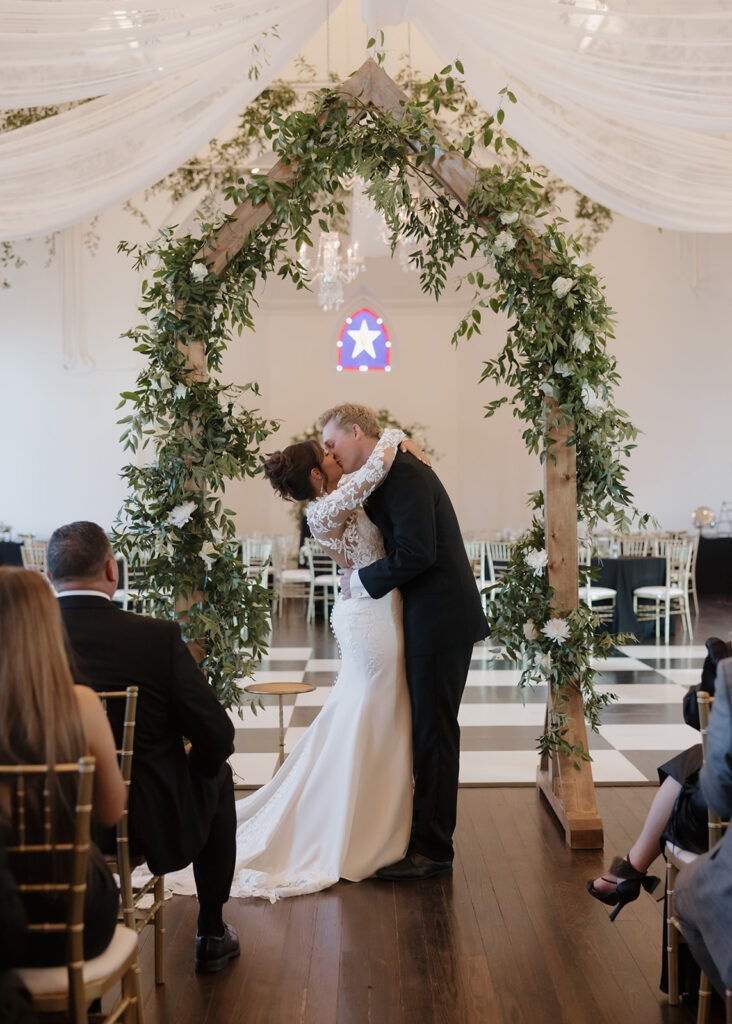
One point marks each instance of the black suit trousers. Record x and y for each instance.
(436, 683)
(213, 867)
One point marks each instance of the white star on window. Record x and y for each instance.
(364, 340)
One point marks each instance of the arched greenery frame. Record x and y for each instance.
(555, 361)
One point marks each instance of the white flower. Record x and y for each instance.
(182, 513)
(557, 630)
(199, 271)
(562, 286)
(503, 242)
(548, 389)
(509, 218)
(530, 631)
(180, 391)
(537, 560)
(581, 341)
(543, 662)
(591, 400)
(563, 369)
(165, 382)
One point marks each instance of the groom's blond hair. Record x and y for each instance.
(345, 416)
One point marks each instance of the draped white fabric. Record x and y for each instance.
(630, 102)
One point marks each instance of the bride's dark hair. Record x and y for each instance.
(289, 470)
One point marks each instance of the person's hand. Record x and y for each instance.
(345, 575)
(411, 446)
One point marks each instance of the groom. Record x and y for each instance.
(425, 558)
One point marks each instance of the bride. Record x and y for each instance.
(341, 804)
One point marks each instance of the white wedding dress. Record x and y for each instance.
(341, 804)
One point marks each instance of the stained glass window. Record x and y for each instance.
(363, 343)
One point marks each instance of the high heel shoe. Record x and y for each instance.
(627, 889)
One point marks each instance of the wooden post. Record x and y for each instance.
(568, 789)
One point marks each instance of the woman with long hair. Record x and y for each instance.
(46, 719)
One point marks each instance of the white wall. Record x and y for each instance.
(62, 457)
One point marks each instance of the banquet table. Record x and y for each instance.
(714, 565)
(10, 553)
(624, 575)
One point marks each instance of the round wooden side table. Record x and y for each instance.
(280, 690)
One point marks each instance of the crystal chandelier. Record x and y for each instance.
(330, 268)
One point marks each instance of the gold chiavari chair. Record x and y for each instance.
(34, 554)
(44, 861)
(676, 858)
(141, 905)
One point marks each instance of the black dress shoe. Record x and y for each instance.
(214, 952)
(414, 865)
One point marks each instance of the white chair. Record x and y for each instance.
(475, 550)
(632, 547)
(34, 555)
(498, 554)
(45, 861)
(325, 575)
(671, 598)
(257, 555)
(295, 583)
(600, 600)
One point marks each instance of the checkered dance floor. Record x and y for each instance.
(499, 722)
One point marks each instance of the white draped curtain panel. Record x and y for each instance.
(630, 101)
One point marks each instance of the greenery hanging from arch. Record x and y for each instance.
(521, 265)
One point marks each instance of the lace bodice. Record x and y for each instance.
(337, 520)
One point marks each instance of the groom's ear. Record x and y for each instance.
(357, 432)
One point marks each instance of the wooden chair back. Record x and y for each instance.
(498, 554)
(34, 555)
(46, 858)
(632, 547)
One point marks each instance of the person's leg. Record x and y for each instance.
(436, 684)
(213, 868)
(646, 848)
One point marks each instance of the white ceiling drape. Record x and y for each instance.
(630, 101)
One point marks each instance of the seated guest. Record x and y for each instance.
(45, 719)
(678, 813)
(181, 804)
(703, 894)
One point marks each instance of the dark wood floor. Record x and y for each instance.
(511, 937)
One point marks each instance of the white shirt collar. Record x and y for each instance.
(82, 593)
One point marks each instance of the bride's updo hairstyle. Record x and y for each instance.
(289, 470)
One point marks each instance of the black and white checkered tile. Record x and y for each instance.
(499, 723)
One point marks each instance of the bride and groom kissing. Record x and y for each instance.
(371, 787)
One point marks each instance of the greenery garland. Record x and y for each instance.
(521, 265)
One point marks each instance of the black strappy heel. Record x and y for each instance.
(626, 889)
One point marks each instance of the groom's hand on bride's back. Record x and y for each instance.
(345, 575)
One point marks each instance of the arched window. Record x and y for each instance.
(363, 343)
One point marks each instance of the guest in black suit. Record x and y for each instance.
(181, 804)
(426, 559)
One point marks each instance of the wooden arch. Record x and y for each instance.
(569, 789)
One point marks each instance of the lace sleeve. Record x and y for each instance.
(328, 515)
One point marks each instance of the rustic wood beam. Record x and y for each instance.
(569, 790)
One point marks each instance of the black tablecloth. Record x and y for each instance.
(10, 553)
(624, 575)
(714, 565)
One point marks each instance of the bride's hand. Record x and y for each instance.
(411, 446)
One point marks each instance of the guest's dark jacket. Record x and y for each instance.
(717, 650)
(171, 794)
(706, 885)
(425, 559)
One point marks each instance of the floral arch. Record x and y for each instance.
(555, 361)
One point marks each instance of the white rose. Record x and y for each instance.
(536, 561)
(591, 400)
(530, 631)
(180, 391)
(182, 513)
(543, 662)
(165, 382)
(509, 218)
(503, 242)
(557, 630)
(562, 286)
(548, 389)
(563, 370)
(199, 271)
(581, 341)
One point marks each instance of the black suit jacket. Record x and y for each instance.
(425, 559)
(172, 795)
